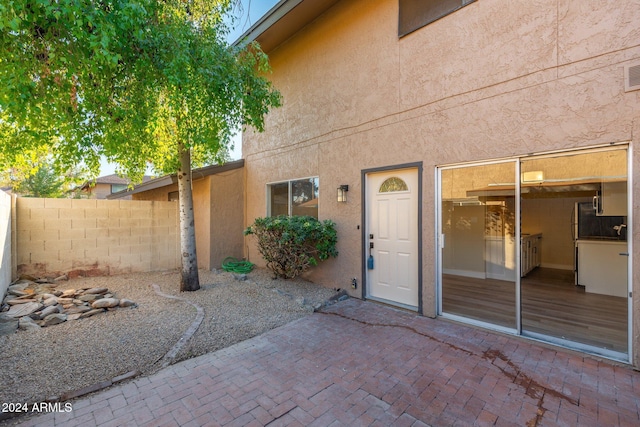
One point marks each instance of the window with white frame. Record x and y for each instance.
(294, 197)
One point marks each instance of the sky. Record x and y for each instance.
(247, 14)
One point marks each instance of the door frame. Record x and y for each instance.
(364, 210)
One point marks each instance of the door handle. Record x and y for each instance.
(624, 253)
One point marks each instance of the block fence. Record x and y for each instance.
(81, 237)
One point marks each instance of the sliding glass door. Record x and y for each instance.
(478, 240)
(574, 250)
(538, 246)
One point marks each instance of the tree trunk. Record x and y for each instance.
(190, 280)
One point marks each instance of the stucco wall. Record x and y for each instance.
(495, 79)
(201, 213)
(227, 216)
(89, 237)
(218, 201)
(158, 194)
(5, 242)
(101, 191)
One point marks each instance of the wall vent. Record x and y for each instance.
(632, 77)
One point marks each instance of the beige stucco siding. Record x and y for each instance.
(160, 194)
(227, 216)
(493, 80)
(218, 215)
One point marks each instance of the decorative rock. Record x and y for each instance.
(54, 319)
(17, 292)
(27, 324)
(79, 309)
(23, 309)
(91, 313)
(31, 303)
(126, 303)
(50, 301)
(20, 286)
(106, 303)
(17, 301)
(96, 291)
(50, 310)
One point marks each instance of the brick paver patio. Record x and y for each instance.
(361, 363)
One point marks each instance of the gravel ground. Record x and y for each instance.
(36, 365)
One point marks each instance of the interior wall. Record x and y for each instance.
(464, 251)
(553, 218)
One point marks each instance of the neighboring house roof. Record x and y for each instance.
(110, 180)
(285, 19)
(166, 180)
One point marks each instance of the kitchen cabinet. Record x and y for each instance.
(613, 199)
(530, 253)
(602, 267)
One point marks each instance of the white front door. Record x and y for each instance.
(392, 230)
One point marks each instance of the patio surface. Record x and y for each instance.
(361, 363)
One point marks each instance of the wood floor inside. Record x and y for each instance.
(552, 305)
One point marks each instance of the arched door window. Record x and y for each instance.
(393, 184)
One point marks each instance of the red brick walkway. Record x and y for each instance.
(361, 363)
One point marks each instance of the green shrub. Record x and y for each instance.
(292, 244)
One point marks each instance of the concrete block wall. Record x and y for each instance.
(5, 242)
(82, 237)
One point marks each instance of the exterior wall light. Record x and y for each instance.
(342, 193)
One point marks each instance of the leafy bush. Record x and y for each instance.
(292, 244)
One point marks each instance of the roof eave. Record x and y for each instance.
(267, 21)
(284, 20)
